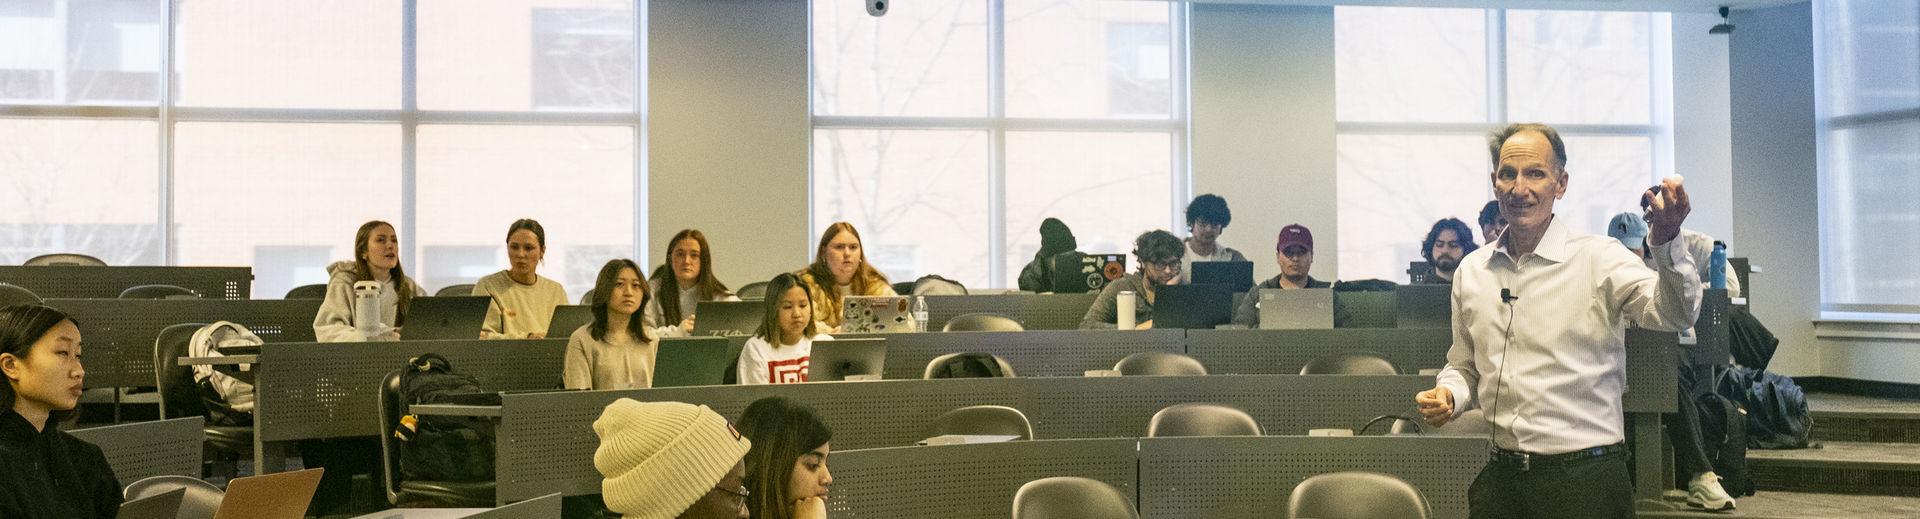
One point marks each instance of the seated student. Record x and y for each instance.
(523, 300)
(662, 460)
(1055, 238)
(787, 467)
(376, 257)
(1295, 255)
(1207, 217)
(616, 351)
(1491, 223)
(1631, 229)
(1159, 255)
(687, 274)
(46, 473)
(1447, 243)
(778, 352)
(841, 260)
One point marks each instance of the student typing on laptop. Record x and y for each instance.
(1159, 255)
(1294, 252)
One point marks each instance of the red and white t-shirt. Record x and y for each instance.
(763, 363)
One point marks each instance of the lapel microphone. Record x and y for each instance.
(1506, 296)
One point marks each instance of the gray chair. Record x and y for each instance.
(1357, 495)
(317, 291)
(1159, 363)
(1353, 363)
(933, 285)
(158, 292)
(983, 420)
(201, 501)
(967, 365)
(1201, 420)
(754, 290)
(445, 494)
(1071, 498)
(12, 295)
(982, 322)
(180, 395)
(465, 289)
(586, 299)
(904, 288)
(65, 260)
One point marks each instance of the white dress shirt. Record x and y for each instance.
(1549, 367)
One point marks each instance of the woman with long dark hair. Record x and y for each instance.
(779, 350)
(683, 282)
(616, 351)
(787, 475)
(45, 472)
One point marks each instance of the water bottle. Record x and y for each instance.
(920, 313)
(1125, 321)
(1717, 266)
(366, 309)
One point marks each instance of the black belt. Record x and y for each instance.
(1525, 462)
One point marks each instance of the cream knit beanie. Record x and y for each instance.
(659, 458)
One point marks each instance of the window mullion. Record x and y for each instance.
(996, 144)
(409, 127)
(169, 248)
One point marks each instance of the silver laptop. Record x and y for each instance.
(1297, 309)
(876, 314)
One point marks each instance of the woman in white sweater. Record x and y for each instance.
(376, 257)
(523, 301)
(778, 352)
(687, 274)
(616, 351)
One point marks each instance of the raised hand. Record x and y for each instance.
(1667, 208)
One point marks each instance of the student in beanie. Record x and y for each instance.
(663, 460)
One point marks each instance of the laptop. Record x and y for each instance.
(442, 318)
(1195, 307)
(877, 314)
(840, 358)
(1076, 273)
(568, 319)
(1296, 309)
(1419, 272)
(694, 361)
(165, 505)
(283, 495)
(1423, 306)
(1236, 275)
(726, 318)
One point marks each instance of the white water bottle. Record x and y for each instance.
(920, 313)
(1125, 301)
(366, 309)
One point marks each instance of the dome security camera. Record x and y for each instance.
(877, 8)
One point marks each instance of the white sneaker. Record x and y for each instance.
(1704, 491)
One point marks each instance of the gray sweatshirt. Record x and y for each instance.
(334, 323)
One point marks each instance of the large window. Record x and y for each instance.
(1420, 88)
(947, 131)
(1868, 54)
(282, 125)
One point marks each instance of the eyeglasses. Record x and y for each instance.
(739, 495)
(1170, 267)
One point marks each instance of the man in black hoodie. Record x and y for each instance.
(1055, 238)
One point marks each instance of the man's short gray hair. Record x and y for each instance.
(1499, 138)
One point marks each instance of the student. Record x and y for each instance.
(841, 261)
(523, 301)
(683, 282)
(616, 351)
(1207, 217)
(1448, 242)
(1159, 255)
(1492, 224)
(1294, 252)
(376, 257)
(787, 468)
(662, 460)
(777, 353)
(1055, 238)
(45, 472)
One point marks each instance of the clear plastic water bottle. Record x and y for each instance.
(920, 313)
(1717, 266)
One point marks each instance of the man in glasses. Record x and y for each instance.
(1158, 253)
(1293, 250)
(662, 460)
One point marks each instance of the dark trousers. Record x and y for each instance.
(343, 458)
(1595, 487)
(1683, 427)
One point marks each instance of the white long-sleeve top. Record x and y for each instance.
(1549, 367)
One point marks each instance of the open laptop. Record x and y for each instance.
(1196, 307)
(441, 318)
(1423, 306)
(1236, 275)
(877, 314)
(283, 495)
(1296, 309)
(837, 359)
(568, 319)
(165, 505)
(1076, 273)
(726, 318)
(694, 361)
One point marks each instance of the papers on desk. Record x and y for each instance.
(963, 439)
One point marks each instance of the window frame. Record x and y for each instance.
(1827, 127)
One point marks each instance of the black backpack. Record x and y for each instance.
(1777, 416)
(443, 448)
(1723, 432)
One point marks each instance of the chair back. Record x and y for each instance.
(1357, 495)
(904, 288)
(158, 292)
(315, 291)
(179, 394)
(1071, 497)
(1159, 363)
(389, 395)
(464, 289)
(934, 285)
(983, 420)
(201, 501)
(65, 260)
(1353, 363)
(1201, 420)
(13, 295)
(586, 298)
(754, 290)
(968, 365)
(982, 322)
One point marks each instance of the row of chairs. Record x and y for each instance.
(13, 295)
(1167, 364)
(1337, 495)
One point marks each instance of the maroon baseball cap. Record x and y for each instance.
(1294, 234)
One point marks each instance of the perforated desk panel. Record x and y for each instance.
(141, 450)
(71, 282)
(120, 332)
(1253, 477)
(1034, 311)
(1054, 353)
(968, 481)
(326, 390)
